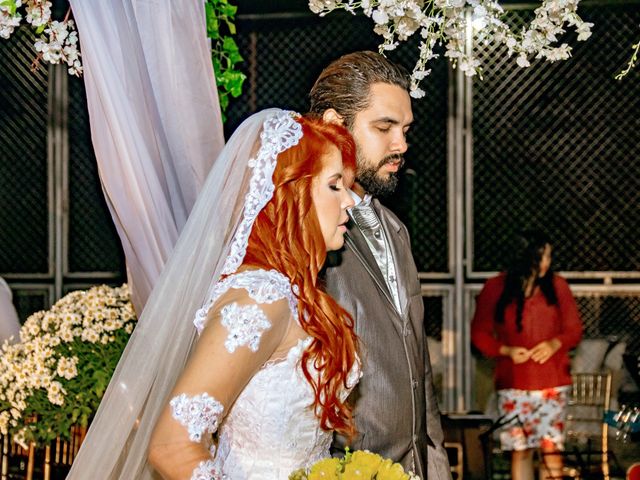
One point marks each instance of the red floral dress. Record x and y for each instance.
(532, 418)
(532, 395)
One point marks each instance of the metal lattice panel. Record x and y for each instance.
(30, 300)
(282, 59)
(421, 198)
(557, 146)
(436, 307)
(93, 242)
(434, 313)
(614, 316)
(284, 56)
(24, 221)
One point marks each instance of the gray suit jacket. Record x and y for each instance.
(396, 412)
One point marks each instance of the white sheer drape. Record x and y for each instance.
(116, 446)
(9, 323)
(155, 120)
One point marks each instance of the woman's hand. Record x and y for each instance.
(517, 354)
(545, 350)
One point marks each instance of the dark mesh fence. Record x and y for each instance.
(434, 314)
(30, 300)
(25, 166)
(24, 220)
(93, 241)
(615, 316)
(557, 146)
(422, 196)
(283, 56)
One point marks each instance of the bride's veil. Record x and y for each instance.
(116, 444)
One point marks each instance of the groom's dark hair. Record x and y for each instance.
(345, 83)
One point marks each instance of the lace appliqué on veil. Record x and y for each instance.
(263, 286)
(198, 414)
(207, 471)
(279, 132)
(245, 325)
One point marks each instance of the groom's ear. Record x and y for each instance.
(331, 116)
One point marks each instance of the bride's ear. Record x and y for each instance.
(331, 116)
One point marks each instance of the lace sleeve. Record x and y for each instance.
(241, 334)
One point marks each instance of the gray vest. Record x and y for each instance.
(369, 224)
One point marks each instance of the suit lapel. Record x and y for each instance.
(398, 250)
(358, 244)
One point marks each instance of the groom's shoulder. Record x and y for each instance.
(391, 217)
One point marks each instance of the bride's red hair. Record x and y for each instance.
(286, 236)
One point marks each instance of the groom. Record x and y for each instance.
(396, 412)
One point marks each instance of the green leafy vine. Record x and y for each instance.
(224, 51)
(632, 61)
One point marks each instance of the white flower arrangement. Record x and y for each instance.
(62, 366)
(447, 21)
(58, 41)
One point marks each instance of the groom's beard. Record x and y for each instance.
(372, 182)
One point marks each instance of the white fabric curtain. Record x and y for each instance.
(155, 120)
(9, 323)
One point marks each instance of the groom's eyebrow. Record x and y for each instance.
(390, 120)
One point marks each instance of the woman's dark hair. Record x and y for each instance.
(527, 252)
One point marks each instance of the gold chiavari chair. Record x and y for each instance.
(56, 457)
(587, 454)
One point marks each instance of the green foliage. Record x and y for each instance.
(56, 376)
(84, 392)
(224, 51)
(632, 62)
(10, 5)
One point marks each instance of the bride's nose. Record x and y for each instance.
(347, 201)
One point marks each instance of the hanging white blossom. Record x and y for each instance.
(58, 41)
(61, 44)
(9, 17)
(446, 22)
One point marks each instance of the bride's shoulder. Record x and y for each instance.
(268, 290)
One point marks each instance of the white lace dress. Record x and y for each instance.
(270, 429)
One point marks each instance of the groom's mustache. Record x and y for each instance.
(395, 158)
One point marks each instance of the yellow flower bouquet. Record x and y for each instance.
(358, 465)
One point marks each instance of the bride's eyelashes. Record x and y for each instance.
(336, 186)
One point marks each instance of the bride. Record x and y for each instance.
(267, 380)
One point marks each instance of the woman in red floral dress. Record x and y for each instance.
(527, 319)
